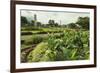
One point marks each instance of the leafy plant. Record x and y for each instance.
(70, 45)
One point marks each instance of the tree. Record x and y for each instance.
(32, 23)
(51, 22)
(71, 25)
(83, 22)
(56, 24)
(38, 23)
(24, 21)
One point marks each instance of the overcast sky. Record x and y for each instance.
(58, 16)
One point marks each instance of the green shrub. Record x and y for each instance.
(37, 39)
(30, 28)
(34, 40)
(29, 42)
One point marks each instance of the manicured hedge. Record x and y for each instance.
(26, 33)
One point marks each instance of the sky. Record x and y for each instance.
(59, 16)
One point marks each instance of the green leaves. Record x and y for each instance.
(73, 45)
(38, 52)
(74, 51)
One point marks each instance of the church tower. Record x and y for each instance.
(35, 19)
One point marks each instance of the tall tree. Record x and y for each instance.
(83, 22)
(24, 21)
(51, 22)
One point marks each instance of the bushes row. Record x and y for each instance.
(26, 33)
(39, 32)
(46, 32)
(30, 29)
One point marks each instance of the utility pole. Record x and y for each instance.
(60, 22)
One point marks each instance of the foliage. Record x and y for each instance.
(33, 23)
(38, 52)
(29, 28)
(33, 40)
(55, 42)
(37, 39)
(73, 26)
(52, 23)
(71, 46)
(83, 22)
(24, 21)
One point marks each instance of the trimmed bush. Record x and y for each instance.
(37, 39)
(30, 29)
